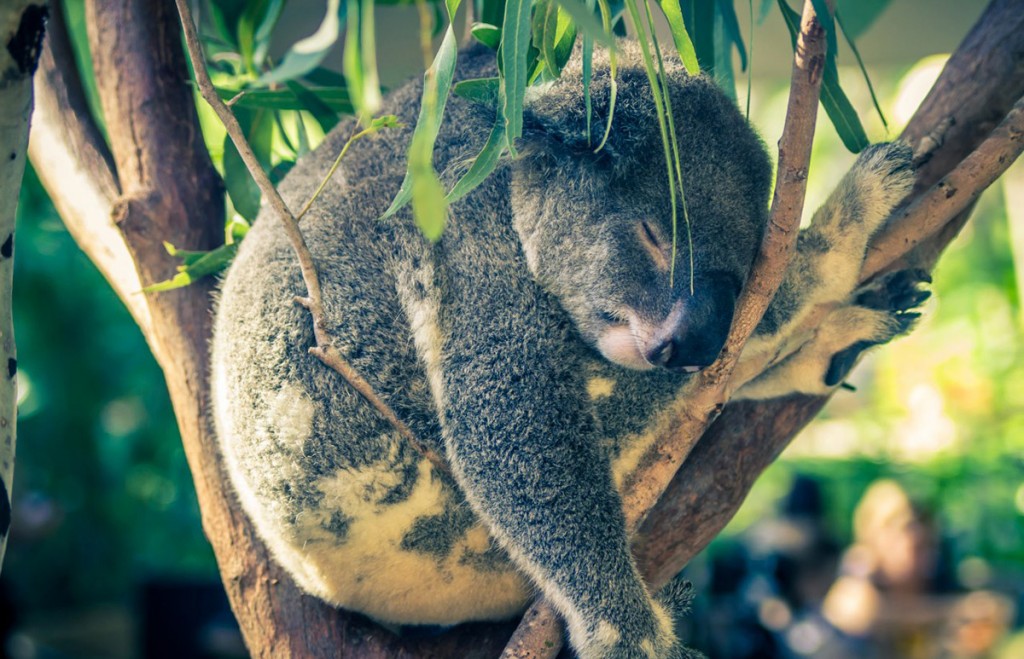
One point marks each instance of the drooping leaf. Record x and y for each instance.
(726, 11)
(723, 72)
(197, 266)
(488, 35)
(306, 54)
(828, 24)
(588, 72)
(684, 45)
(436, 87)
(586, 20)
(558, 38)
(863, 69)
(515, 43)
(699, 17)
(336, 98)
(243, 191)
(483, 165)
(324, 115)
(859, 15)
(478, 90)
(359, 61)
(838, 107)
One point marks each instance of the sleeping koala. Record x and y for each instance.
(536, 346)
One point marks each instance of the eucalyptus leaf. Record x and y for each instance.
(336, 98)
(324, 115)
(478, 90)
(306, 54)
(208, 263)
(488, 35)
(726, 11)
(586, 20)
(483, 165)
(859, 15)
(838, 107)
(436, 87)
(863, 69)
(515, 44)
(359, 61)
(723, 71)
(243, 191)
(684, 45)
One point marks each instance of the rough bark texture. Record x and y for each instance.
(21, 33)
(165, 189)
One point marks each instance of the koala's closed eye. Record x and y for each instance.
(653, 245)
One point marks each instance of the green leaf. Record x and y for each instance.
(829, 25)
(863, 70)
(243, 191)
(483, 165)
(324, 115)
(722, 71)
(838, 107)
(321, 77)
(700, 21)
(588, 74)
(306, 54)
(359, 61)
(429, 209)
(488, 35)
(587, 22)
(674, 14)
(726, 11)
(859, 15)
(515, 43)
(197, 266)
(436, 86)
(253, 13)
(478, 90)
(335, 98)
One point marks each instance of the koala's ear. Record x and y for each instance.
(555, 129)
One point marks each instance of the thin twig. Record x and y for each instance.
(313, 301)
(953, 193)
(540, 634)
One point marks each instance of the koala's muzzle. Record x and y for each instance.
(693, 333)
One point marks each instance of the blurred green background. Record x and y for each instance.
(103, 500)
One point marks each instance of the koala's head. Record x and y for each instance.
(597, 230)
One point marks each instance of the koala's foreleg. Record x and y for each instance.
(824, 271)
(520, 440)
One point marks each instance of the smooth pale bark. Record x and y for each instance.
(21, 31)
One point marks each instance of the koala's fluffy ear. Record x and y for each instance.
(555, 115)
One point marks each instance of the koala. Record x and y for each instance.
(536, 346)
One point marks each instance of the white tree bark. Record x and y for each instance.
(21, 30)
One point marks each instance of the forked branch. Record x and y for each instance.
(324, 350)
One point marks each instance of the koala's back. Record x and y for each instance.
(346, 504)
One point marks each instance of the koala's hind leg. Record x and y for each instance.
(830, 252)
(880, 312)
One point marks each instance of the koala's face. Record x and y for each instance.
(597, 230)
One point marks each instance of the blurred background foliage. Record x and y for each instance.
(105, 517)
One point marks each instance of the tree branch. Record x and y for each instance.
(541, 633)
(953, 194)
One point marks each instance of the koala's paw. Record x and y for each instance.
(893, 297)
(648, 636)
(880, 179)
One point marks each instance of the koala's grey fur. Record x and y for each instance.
(484, 344)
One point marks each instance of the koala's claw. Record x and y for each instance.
(896, 295)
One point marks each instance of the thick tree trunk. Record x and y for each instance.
(155, 183)
(21, 32)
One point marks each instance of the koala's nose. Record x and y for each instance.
(693, 333)
(671, 353)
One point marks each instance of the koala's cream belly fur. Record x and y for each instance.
(369, 570)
